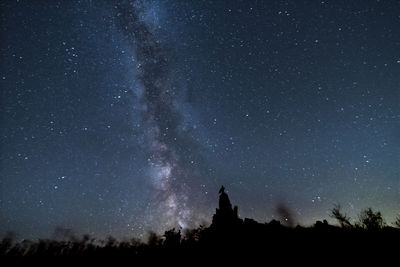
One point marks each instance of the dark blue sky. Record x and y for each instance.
(118, 117)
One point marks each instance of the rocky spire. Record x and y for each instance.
(224, 214)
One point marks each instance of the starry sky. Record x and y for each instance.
(119, 117)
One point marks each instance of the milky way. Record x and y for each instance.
(120, 117)
(162, 122)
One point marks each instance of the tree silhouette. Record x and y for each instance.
(153, 239)
(370, 220)
(193, 235)
(343, 219)
(172, 238)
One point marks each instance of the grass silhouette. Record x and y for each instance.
(228, 236)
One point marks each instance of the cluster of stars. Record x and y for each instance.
(279, 103)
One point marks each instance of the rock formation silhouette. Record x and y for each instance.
(228, 239)
(225, 216)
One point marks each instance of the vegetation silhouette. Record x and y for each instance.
(397, 222)
(228, 237)
(371, 220)
(343, 219)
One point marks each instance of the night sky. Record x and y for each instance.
(119, 117)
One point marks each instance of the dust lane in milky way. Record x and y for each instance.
(161, 119)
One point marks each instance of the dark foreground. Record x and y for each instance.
(229, 239)
(268, 242)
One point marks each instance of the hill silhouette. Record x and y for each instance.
(228, 238)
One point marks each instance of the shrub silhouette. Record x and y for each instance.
(7, 242)
(228, 237)
(371, 220)
(172, 238)
(153, 239)
(343, 219)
